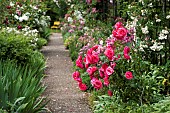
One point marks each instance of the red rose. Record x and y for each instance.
(120, 33)
(8, 7)
(19, 27)
(110, 93)
(128, 75)
(82, 86)
(109, 52)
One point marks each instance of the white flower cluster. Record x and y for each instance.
(70, 20)
(78, 15)
(168, 17)
(163, 35)
(28, 32)
(23, 17)
(156, 46)
(157, 19)
(145, 30)
(25, 31)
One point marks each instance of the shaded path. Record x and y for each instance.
(62, 90)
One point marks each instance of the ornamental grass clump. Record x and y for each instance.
(20, 88)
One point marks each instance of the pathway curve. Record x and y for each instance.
(62, 90)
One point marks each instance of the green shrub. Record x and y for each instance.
(17, 47)
(106, 104)
(20, 87)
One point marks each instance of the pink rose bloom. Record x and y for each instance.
(109, 70)
(76, 75)
(113, 65)
(109, 52)
(94, 10)
(97, 84)
(88, 1)
(82, 86)
(106, 81)
(79, 62)
(128, 75)
(92, 58)
(110, 93)
(118, 25)
(120, 33)
(126, 56)
(101, 72)
(126, 52)
(91, 70)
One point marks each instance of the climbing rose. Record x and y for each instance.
(109, 52)
(97, 84)
(110, 93)
(120, 33)
(128, 75)
(76, 75)
(79, 62)
(82, 86)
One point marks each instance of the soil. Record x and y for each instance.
(62, 90)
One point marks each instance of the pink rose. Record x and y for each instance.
(128, 75)
(82, 86)
(109, 52)
(118, 25)
(126, 56)
(109, 70)
(113, 65)
(110, 93)
(92, 58)
(79, 62)
(88, 1)
(126, 52)
(106, 81)
(76, 75)
(97, 84)
(91, 70)
(120, 33)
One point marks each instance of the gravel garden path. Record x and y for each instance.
(62, 90)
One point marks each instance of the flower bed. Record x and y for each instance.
(113, 64)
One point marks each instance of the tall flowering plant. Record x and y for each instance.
(99, 62)
(116, 66)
